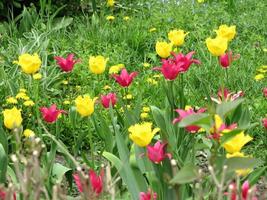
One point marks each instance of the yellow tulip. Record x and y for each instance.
(227, 32)
(12, 118)
(163, 49)
(177, 37)
(236, 143)
(110, 3)
(85, 105)
(142, 134)
(217, 46)
(30, 64)
(97, 64)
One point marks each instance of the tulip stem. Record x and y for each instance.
(227, 76)
(91, 142)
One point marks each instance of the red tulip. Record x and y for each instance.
(66, 64)
(226, 59)
(96, 182)
(107, 99)
(51, 114)
(186, 113)
(3, 195)
(264, 122)
(172, 67)
(148, 196)
(227, 96)
(244, 192)
(124, 79)
(265, 92)
(157, 152)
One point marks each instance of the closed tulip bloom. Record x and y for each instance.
(172, 67)
(51, 114)
(226, 59)
(66, 64)
(95, 182)
(109, 99)
(85, 106)
(177, 37)
(149, 195)
(227, 32)
(157, 153)
(265, 92)
(163, 49)
(124, 79)
(217, 46)
(12, 118)
(236, 143)
(97, 64)
(185, 113)
(264, 122)
(245, 194)
(142, 134)
(30, 64)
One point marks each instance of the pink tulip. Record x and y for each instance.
(226, 59)
(265, 92)
(107, 99)
(227, 96)
(157, 152)
(51, 114)
(264, 122)
(96, 182)
(180, 63)
(124, 79)
(148, 196)
(186, 113)
(66, 64)
(244, 192)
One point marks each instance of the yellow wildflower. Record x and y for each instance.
(152, 30)
(126, 18)
(259, 77)
(115, 69)
(152, 81)
(22, 95)
(110, 18)
(37, 76)
(110, 3)
(146, 64)
(146, 109)
(28, 103)
(144, 115)
(11, 100)
(66, 102)
(107, 87)
(28, 133)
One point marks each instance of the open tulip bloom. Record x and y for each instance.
(180, 63)
(51, 114)
(95, 182)
(66, 64)
(227, 96)
(124, 79)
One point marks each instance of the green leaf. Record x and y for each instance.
(3, 164)
(255, 175)
(226, 107)
(58, 172)
(62, 23)
(126, 174)
(200, 119)
(158, 116)
(237, 163)
(186, 175)
(3, 139)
